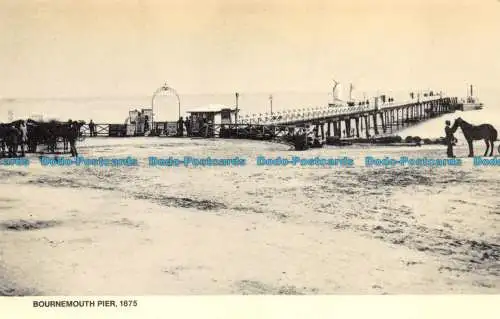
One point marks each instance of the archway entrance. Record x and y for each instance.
(163, 89)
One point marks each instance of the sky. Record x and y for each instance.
(96, 48)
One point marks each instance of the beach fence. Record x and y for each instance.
(100, 130)
(128, 130)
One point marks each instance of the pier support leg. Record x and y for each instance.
(328, 131)
(357, 127)
(393, 117)
(375, 126)
(391, 120)
(383, 121)
(322, 127)
(367, 126)
(387, 119)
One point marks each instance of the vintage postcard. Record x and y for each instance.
(248, 148)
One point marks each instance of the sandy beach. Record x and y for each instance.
(121, 78)
(248, 230)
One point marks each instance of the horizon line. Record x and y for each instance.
(198, 93)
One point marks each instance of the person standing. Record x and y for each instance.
(24, 136)
(92, 128)
(188, 126)
(146, 123)
(201, 127)
(450, 139)
(209, 128)
(141, 123)
(180, 127)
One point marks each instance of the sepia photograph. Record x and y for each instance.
(251, 147)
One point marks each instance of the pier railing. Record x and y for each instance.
(317, 113)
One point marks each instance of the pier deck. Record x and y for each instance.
(341, 122)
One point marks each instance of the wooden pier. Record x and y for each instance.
(339, 122)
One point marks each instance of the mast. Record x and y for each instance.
(237, 96)
(271, 103)
(333, 91)
(471, 90)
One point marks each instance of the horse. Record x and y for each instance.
(49, 132)
(40, 133)
(21, 126)
(70, 132)
(11, 138)
(472, 133)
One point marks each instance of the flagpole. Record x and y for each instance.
(271, 103)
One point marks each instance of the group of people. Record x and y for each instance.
(302, 141)
(142, 122)
(203, 126)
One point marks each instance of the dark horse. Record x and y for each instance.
(11, 137)
(70, 132)
(49, 132)
(20, 125)
(40, 133)
(472, 133)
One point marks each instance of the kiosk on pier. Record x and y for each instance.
(207, 120)
(139, 122)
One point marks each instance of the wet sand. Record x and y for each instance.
(248, 230)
